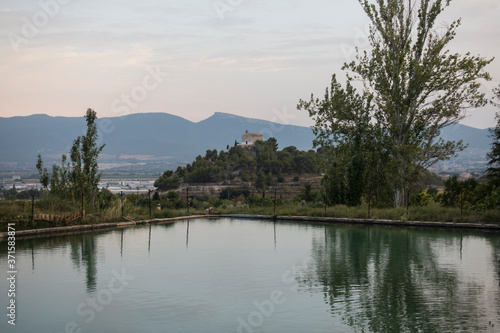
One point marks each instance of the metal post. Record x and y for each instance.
(187, 199)
(275, 201)
(149, 198)
(121, 197)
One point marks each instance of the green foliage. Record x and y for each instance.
(260, 182)
(256, 200)
(156, 196)
(218, 202)
(44, 175)
(493, 171)
(168, 181)
(136, 200)
(13, 194)
(309, 195)
(492, 200)
(105, 199)
(262, 163)
(432, 191)
(413, 88)
(468, 194)
(172, 200)
(82, 176)
(421, 199)
(230, 193)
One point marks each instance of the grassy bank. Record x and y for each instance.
(20, 212)
(430, 213)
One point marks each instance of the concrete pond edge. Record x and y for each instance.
(306, 219)
(92, 227)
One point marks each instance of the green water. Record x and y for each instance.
(231, 275)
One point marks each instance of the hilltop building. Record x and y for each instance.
(249, 139)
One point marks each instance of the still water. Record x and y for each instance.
(231, 275)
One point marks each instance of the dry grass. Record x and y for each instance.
(20, 211)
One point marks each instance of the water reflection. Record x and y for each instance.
(187, 235)
(121, 244)
(380, 280)
(369, 279)
(494, 240)
(32, 257)
(274, 224)
(83, 253)
(149, 240)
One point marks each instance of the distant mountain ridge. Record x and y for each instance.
(142, 136)
(165, 137)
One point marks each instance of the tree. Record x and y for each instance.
(82, 177)
(342, 125)
(493, 171)
(260, 182)
(44, 175)
(169, 180)
(412, 88)
(460, 193)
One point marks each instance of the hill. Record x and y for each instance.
(171, 140)
(144, 137)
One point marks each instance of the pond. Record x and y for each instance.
(235, 275)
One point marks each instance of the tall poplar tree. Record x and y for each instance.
(493, 171)
(416, 87)
(82, 177)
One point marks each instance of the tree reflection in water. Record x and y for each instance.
(394, 280)
(83, 253)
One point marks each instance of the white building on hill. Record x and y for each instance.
(249, 139)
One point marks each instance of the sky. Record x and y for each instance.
(191, 58)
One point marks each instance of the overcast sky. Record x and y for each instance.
(191, 58)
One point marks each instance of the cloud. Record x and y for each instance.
(280, 51)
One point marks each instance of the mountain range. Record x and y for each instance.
(143, 136)
(169, 138)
